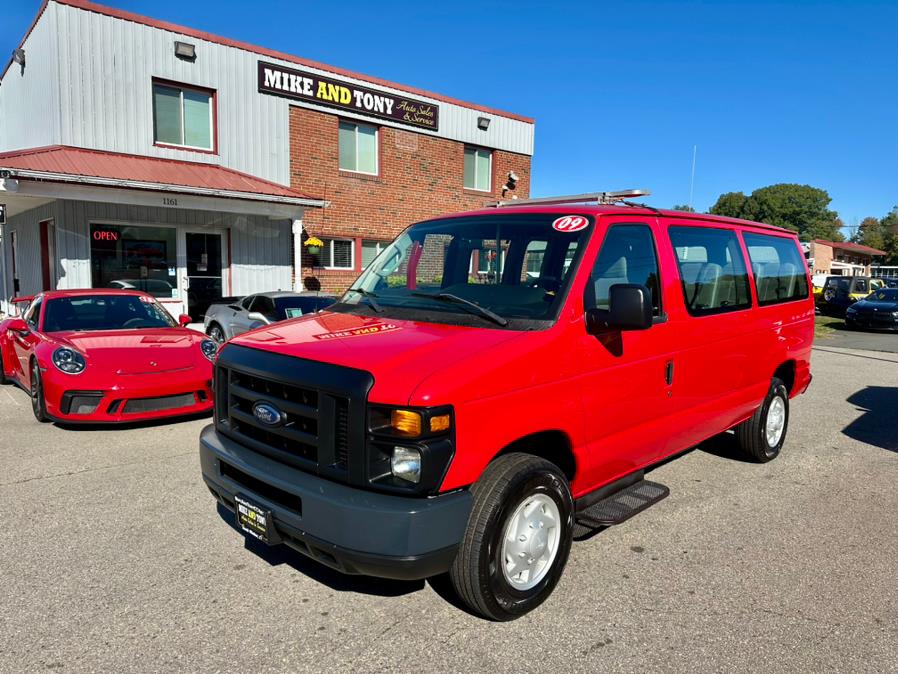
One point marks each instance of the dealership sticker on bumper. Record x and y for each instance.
(252, 519)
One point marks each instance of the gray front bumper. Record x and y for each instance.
(350, 529)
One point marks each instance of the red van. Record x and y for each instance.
(495, 377)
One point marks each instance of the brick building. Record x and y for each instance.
(134, 152)
(841, 258)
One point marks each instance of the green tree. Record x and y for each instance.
(729, 205)
(801, 208)
(682, 207)
(870, 233)
(889, 226)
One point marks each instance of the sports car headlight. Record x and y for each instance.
(68, 361)
(209, 348)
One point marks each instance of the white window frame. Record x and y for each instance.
(330, 255)
(380, 245)
(477, 149)
(181, 89)
(357, 125)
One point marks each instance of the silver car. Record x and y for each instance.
(238, 315)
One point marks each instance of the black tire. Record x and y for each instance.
(752, 434)
(38, 404)
(476, 574)
(215, 332)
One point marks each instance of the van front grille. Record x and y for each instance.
(290, 410)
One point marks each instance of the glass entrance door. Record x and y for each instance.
(204, 266)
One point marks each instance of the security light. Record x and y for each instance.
(18, 56)
(483, 123)
(185, 50)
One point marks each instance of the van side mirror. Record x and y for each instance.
(629, 308)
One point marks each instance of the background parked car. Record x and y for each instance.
(231, 318)
(104, 356)
(879, 310)
(840, 292)
(155, 287)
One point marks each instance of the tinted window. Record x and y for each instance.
(778, 268)
(264, 306)
(627, 256)
(885, 295)
(105, 312)
(712, 270)
(860, 285)
(33, 314)
(247, 301)
(294, 307)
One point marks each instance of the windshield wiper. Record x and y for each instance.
(370, 296)
(449, 297)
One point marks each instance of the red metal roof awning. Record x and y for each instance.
(853, 247)
(112, 169)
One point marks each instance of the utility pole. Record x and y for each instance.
(692, 180)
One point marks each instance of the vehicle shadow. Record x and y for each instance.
(129, 425)
(877, 426)
(281, 554)
(725, 446)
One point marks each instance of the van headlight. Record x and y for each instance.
(406, 464)
(209, 348)
(68, 360)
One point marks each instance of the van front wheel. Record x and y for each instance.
(762, 436)
(518, 537)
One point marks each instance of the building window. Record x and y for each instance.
(358, 148)
(134, 258)
(338, 254)
(370, 250)
(478, 169)
(183, 116)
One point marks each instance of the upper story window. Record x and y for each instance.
(478, 169)
(358, 148)
(183, 116)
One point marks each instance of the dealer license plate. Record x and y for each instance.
(253, 519)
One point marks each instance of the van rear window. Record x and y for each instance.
(779, 270)
(712, 270)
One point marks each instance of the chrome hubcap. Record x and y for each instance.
(530, 541)
(776, 421)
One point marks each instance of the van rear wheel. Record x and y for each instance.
(518, 537)
(762, 436)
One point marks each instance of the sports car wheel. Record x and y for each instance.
(38, 405)
(215, 332)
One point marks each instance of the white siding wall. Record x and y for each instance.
(253, 239)
(28, 245)
(106, 65)
(29, 105)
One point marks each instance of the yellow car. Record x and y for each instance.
(840, 292)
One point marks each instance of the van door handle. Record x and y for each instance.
(669, 372)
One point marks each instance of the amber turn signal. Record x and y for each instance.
(439, 424)
(406, 422)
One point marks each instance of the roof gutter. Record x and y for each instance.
(161, 187)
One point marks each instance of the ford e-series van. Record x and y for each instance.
(495, 377)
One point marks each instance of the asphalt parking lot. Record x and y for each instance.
(114, 558)
(841, 336)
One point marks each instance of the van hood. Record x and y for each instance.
(398, 353)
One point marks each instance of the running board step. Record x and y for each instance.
(622, 505)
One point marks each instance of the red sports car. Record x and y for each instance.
(106, 356)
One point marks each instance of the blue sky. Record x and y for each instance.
(803, 92)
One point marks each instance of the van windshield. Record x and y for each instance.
(515, 267)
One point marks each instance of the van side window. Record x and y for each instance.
(712, 270)
(627, 256)
(779, 270)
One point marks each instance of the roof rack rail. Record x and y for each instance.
(588, 198)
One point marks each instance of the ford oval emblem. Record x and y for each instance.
(267, 414)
